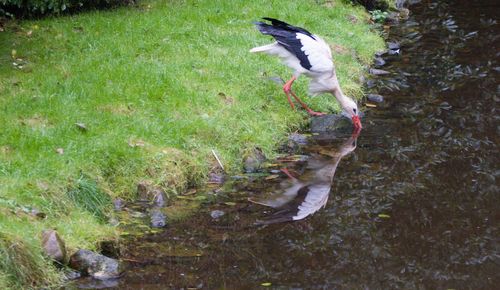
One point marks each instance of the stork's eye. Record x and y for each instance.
(354, 110)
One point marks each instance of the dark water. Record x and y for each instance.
(415, 205)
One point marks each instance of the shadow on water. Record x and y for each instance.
(415, 206)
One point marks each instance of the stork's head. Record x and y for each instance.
(350, 110)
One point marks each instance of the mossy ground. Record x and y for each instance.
(156, 88)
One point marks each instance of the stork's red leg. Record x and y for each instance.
(311, 112)
(287, 88)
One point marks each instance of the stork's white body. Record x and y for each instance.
(322, 72)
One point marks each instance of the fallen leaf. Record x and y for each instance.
(384, 216)
(370, 105)
(266, 284)
(81, 126)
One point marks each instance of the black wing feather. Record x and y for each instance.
(286, 35)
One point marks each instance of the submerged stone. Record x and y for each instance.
(253, 160)
(54, 246)
(393, 45)
(158, 218)
(378, 72)
(378, 62)
(95, 265)
(215, 214)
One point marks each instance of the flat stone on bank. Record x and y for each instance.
(95, 265)
(328, 123)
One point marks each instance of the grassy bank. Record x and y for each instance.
(93, 103)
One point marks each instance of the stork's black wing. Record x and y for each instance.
(286, 35)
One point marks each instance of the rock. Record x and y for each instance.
(253, 160)
(159, 198)
(146, 192)
(378, 72)
(158, 218)
(375, 98)
(328, 123)
(217, 178)
(95, 265)
(118, 204)
(215, 214)
(381, 53)
(54, 246)
(297, 138)
(295, 141)
(370, 83)
(378, 62)
(393, 45)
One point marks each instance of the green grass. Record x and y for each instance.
(157, 87)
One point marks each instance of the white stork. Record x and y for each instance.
(307, 54)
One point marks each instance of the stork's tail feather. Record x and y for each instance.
(264, 48)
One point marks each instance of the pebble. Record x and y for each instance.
(215, 214)
(378, 72)
(379, 62)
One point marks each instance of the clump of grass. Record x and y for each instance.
(174, 171)
(22, 266)
(87, 195)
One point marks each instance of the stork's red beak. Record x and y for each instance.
(357, 122)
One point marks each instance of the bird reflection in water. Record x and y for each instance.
(300, 197)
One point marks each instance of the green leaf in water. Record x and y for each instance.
(266, 284)
(384, 216)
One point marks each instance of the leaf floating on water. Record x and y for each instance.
(384, 216)
(266, 284)
(230, 203)
(272, 177)
(370, 105)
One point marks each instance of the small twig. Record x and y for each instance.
(218, 160)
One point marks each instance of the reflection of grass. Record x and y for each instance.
(163, 83)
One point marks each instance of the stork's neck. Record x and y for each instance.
(339, 95)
